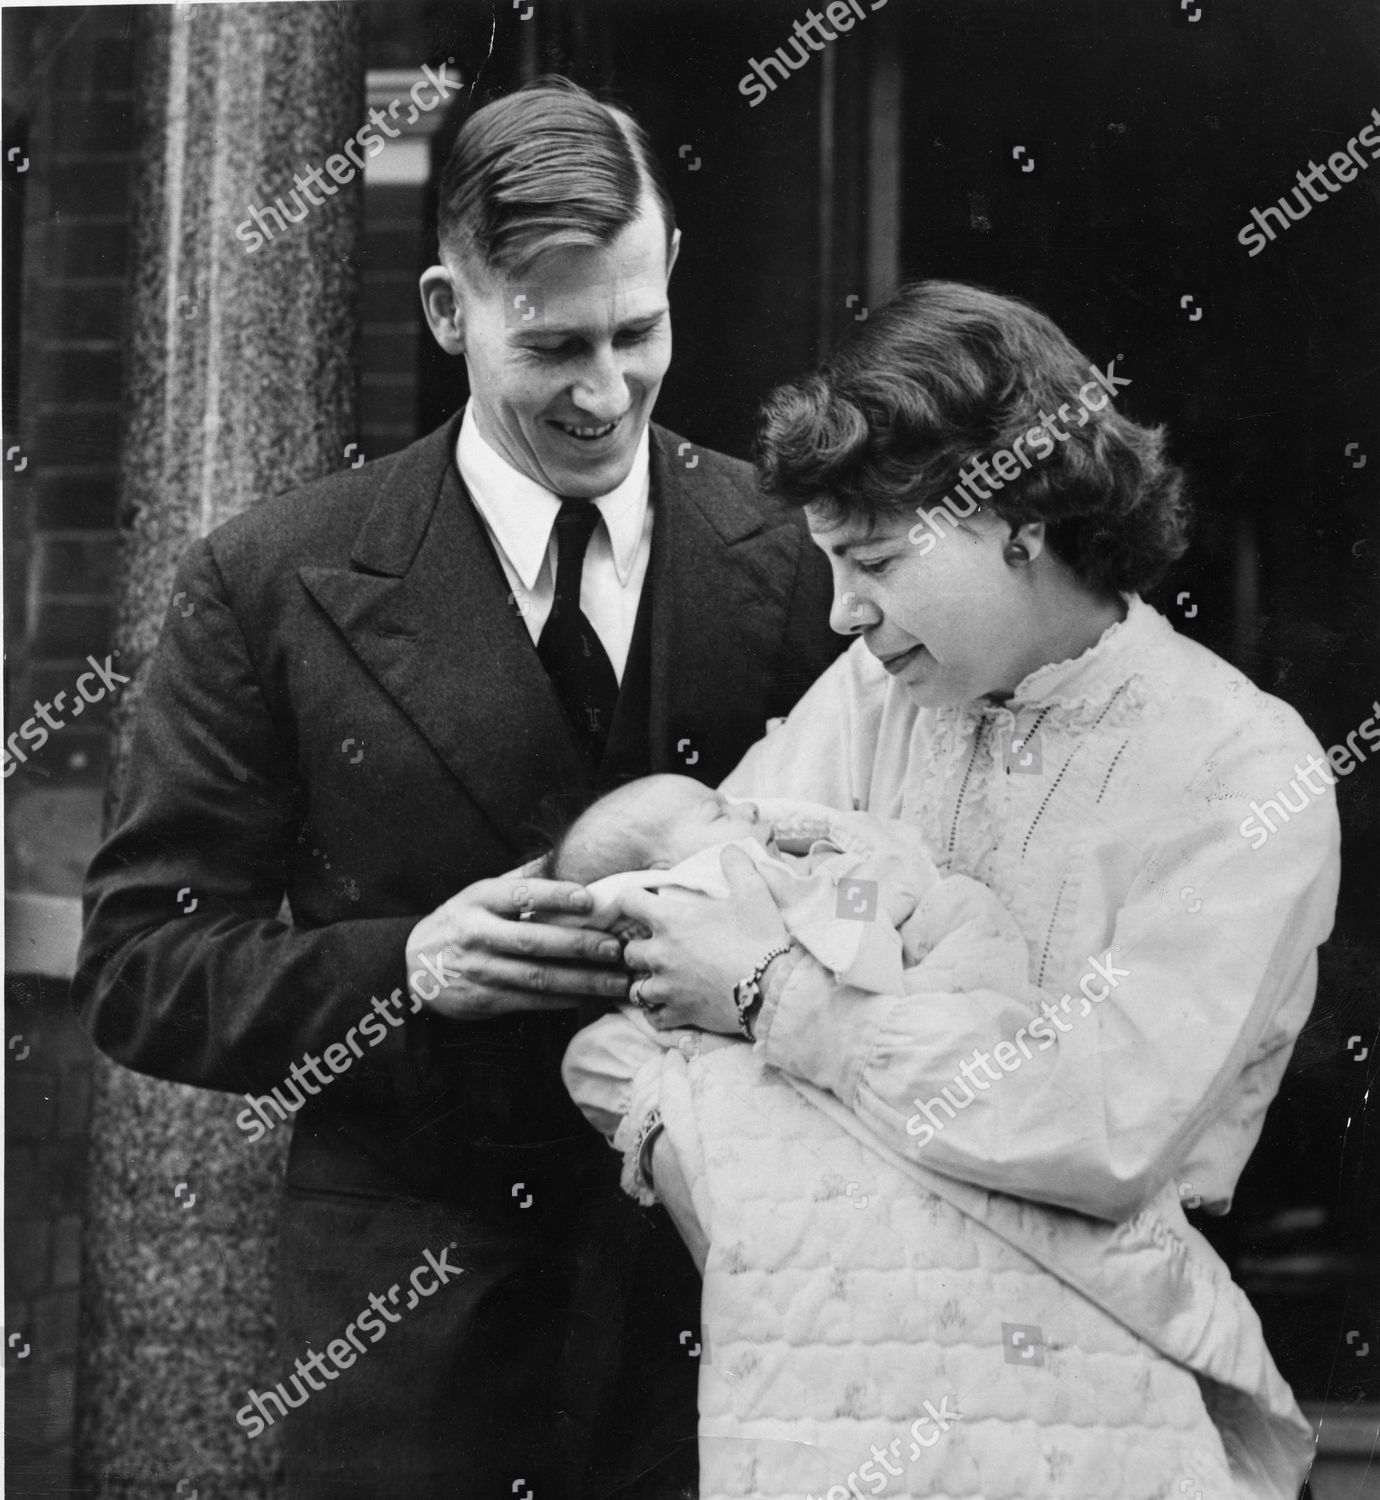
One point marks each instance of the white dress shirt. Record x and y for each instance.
(520, 517)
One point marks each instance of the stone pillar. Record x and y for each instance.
(240, 386)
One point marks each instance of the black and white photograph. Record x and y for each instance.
(692, 749)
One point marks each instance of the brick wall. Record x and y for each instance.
(70, 82)
(61, 505)
(47, 1118)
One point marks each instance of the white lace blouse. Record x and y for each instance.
(1172, 957)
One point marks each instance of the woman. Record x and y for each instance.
(991, 520)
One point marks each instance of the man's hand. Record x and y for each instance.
(488, 951)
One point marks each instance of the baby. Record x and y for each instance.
(860, 894)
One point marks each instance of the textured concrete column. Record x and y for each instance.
(241, 385)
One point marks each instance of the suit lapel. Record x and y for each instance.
(425, 608)
(721, 572)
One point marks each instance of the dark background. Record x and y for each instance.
(1153, 137)
(888, 156)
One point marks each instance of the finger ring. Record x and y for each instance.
(525, 915)
(635, 991)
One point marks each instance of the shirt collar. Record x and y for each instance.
(521, 513)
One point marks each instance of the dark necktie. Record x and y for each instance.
(573, 655)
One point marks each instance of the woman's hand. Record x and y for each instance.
(701, 946)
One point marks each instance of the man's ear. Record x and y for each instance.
(444, 314)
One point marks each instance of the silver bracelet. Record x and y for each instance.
(747, 992)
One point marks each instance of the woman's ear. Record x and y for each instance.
(444, 313)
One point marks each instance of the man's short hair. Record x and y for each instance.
(546, 166)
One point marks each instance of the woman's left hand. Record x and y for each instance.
(701, 946)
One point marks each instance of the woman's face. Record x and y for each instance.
(946, 615)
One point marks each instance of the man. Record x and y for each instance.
(389, 683)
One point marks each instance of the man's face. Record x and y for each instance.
(566, 359)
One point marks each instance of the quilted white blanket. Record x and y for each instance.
(871, 1328)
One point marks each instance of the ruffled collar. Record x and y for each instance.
(1101, 669)
(1085, 683)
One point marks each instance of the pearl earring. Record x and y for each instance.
(1017, 554)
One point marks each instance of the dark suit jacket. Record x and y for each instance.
(344, 709)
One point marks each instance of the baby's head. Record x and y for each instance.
(650, 824)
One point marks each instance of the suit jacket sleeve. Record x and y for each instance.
(187, 970)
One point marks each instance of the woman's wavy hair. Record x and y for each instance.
(946, 373)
